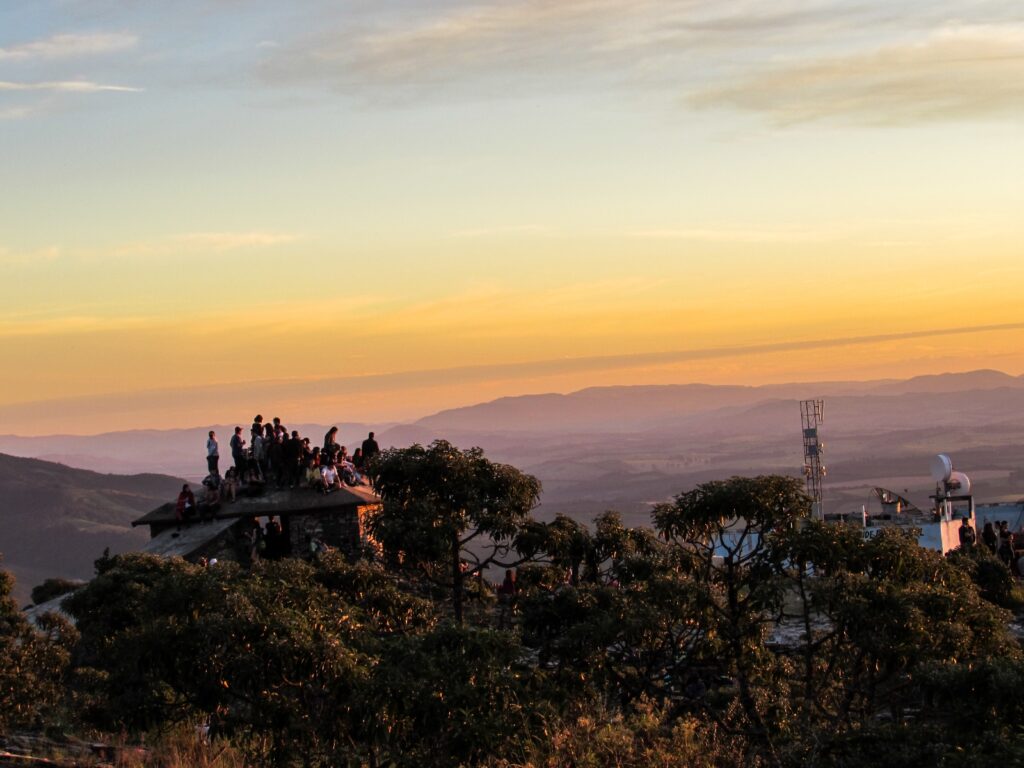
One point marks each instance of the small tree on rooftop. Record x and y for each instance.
(447, 512)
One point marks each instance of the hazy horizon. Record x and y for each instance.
(307, 417)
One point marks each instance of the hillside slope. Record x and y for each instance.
(55, 520)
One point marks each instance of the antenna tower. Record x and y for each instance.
(812, 413)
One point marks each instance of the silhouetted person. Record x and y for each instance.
(238, 451)
(275, 457)
(1005, 552)
(210, 504)
(232, 482)
(331, 446)
(506, 598)
(274, 537)
(292, 459)
(968, 537)
(989, 537)
(370, 448)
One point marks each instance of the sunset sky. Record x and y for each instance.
(373, 210)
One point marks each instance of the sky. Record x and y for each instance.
(370, 211)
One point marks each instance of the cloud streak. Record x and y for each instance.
(194, 243)
(714, 235)
(70, 46)
(467, 42)
(66, 86)
(229, 241)
(784, 62)
(954, 73)
(9, 257)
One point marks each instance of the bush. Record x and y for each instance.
(52, 588)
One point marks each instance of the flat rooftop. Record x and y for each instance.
(272, 502)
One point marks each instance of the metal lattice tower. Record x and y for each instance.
(812, 413)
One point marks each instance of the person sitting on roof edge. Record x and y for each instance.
(330, 479)
(186, 504)
(331, 446)
(231, 484)
(210, 504)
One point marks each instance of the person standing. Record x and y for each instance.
(212, 454)
(293, 459)
(968, 538)
(989, 537)
(370, 449)
(238, 451)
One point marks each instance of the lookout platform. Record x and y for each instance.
(305, 516)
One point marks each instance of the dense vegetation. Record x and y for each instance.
(734, 632)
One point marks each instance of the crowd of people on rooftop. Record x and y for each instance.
(998, 539)
(276, 457)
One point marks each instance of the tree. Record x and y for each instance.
(33, 662)
(272, 657)
(880, 618)
(723, 533)
(456, 695)
(447, 512)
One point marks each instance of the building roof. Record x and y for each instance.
(56, 605)
(183, 541)
(277, 502)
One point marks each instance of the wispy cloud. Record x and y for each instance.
(19, 112)
(70, 46)
(797, 60)
(725, 235)
(228, 241)
(956, 72)
(465, 42)
(66, 86)
(198, 243)
(172, 246)
(11, 257)
(510, 230)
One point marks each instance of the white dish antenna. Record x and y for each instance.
(942, 468)
(960, 483)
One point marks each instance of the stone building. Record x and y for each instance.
(306, 516)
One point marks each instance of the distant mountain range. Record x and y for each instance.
(596, 449)
(629, 409)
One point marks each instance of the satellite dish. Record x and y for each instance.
(942, 468)
(960, 482)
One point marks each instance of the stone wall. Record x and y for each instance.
(341, 530)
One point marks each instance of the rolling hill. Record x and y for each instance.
(57, 520)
